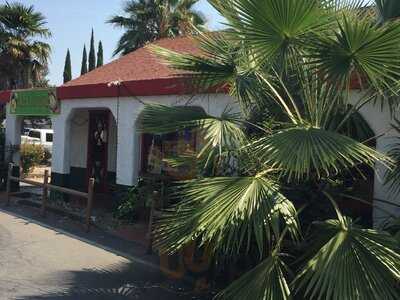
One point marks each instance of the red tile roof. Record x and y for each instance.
(141, 72)
(138, 65)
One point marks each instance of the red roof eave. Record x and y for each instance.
(154, 87)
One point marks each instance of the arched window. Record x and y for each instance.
(159, 150)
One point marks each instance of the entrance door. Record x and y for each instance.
(97, 161)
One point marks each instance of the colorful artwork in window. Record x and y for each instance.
(158, 149)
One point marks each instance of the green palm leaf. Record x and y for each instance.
(222, 63)
(362, 47)
(213, 67)
(273, 28)
(225, 131)
(265, 282)
(230, 213)
(353, 264)
(145, 21)
(392, 177)
(301, 151)
(159, 118)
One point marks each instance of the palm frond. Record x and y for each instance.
(300, 152)
(159, 118)
(353, 264)
(265, 282)
(227, 213)
(213, 67)
(393, 227)
(361, 49)
(392, 177)
(148, 21)
(274, 28)
(225, 131)
(222, 63)
(355, 127)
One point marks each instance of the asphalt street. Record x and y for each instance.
(40, 263)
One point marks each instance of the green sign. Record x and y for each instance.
(36, 102)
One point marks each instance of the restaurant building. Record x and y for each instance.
(95, 122)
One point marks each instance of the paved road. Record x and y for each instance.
(41, 263)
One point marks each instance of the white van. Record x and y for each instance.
(39, 136)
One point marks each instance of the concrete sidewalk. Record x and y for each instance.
(42, 263)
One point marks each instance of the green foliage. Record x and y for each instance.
(47, 156)
(266, 281)
(24, 53)
(92, 53)
(84, 66)
(392, 176)
(300, 152)
(31, 156)
(273, 29)
(148, 20)
(220, 209)
(363, 46)
(366, 261)
(393, 226)
(100, 55)
(67, 75)
(127, 210)
(291, 63)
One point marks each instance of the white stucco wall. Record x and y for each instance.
(124, 158)
(380, 120)
(13, 133)
(79, 138)
(71, 129)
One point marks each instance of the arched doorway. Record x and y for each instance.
(93, 148)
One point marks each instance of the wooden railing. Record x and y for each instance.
(46, 187)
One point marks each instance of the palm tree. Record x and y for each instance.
(148, 20)
(23, 54)
(291, 63)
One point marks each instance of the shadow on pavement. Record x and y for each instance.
(126, 281)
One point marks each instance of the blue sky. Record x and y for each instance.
(71, 23)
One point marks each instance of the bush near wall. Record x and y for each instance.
(31, 156)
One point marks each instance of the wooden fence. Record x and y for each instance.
(46, 187)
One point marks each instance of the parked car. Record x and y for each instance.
(39, 136)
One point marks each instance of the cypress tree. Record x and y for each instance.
(100, 55)
(67, 68)
(92, 54)
(84, 67)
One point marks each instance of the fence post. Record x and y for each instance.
(9, 174)
(89, 203)
(45, 192)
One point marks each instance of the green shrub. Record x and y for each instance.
(47, 157)
(126, 211)
(31, 156)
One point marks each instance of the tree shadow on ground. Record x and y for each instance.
(124, 281)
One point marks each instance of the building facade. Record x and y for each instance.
(96, 129)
